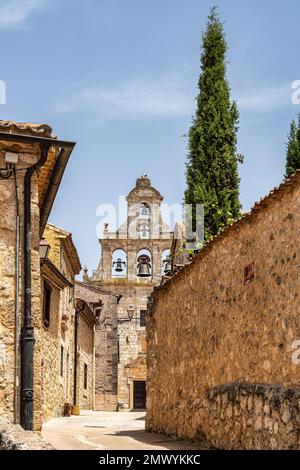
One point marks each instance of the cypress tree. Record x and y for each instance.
(293, 149)
(212, 164)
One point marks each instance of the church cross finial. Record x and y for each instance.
(143, 181)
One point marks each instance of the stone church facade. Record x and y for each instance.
(131, 265)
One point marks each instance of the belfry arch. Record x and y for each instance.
(119, 263)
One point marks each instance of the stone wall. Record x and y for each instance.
(133, 288)
(256, 416)
(85, 355)
(52, 403)
(9, 390)
(130, 347)
(106, 345)
(231, 315)
(130, 341)
(58, 389)
(13, 437)
(130, 336)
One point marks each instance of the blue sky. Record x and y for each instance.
(120, 77)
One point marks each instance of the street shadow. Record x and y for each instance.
(95, 427)
(153, 439)
(141, 418)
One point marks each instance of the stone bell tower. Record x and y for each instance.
(132, 263)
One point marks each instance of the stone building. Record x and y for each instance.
(131, 264)
(68, 335)
(32, 163)
(58, 270)
(84, 358)
(55, 374)
(105, 306)
(224, 360)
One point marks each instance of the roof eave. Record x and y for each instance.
(55, 181)
(66, 148)
(57, 276)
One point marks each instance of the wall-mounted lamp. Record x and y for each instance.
(44, 249)
(130, 313)
(10, 158)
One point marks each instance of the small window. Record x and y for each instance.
(85, 377)
(46, 304)
(61, 361)
(144, 231)
(143, 314)
(249, 273)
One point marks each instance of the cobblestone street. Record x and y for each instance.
(108, 431)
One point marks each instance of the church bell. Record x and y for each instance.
(119, 265)
(168, 265)
(145, 210)
(144, 266)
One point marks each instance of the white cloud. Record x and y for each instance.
(164, 97)
(133, 100)
(14, 13)
(267, 99)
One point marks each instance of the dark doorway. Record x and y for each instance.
(139, 395)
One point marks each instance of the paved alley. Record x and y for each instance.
(95, 430)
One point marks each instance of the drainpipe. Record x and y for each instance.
(27, 332)
(17, 305)
(75, 356)
(94, 369)
(78, 311)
